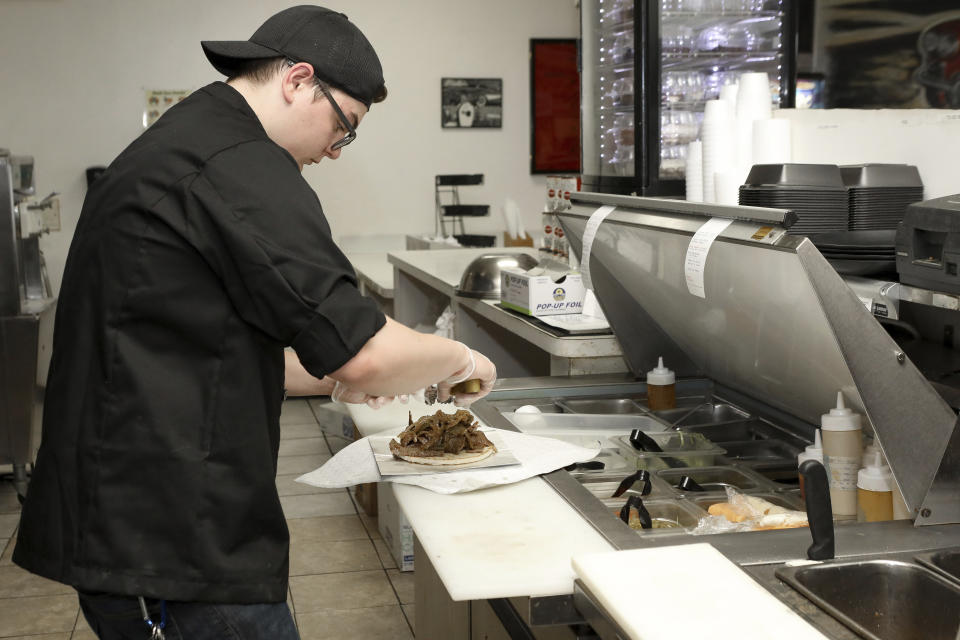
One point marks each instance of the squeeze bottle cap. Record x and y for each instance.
(869, 450)
(876, 476)
(840, 418)
(661, 375)
(812, 452)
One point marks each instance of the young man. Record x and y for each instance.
(199, 255)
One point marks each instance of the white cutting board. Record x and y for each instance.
(686, 591)
(511, 540)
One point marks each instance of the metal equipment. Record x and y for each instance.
(928, 245)
(26, 312)
(774, 323)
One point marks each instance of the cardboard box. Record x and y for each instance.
(366, 493)
(393, 525)
(541, 295)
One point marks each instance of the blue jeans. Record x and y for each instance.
(119, 618)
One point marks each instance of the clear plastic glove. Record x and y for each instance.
(344, 394)
(479, 368)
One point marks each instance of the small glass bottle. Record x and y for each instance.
(661, 388)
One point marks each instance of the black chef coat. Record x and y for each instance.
(199, 255)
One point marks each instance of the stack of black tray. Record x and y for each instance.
(815, 192)
(859, 253)
(879, 194)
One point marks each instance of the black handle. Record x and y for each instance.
(643, 442)
(689, 484)
(630, 480)
(636, 502)
(591, 465)
(819, 510)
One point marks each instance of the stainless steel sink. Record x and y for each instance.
(946, 562)
(881, 599)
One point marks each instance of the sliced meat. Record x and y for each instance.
(440, 433)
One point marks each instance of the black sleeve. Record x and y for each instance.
(262, 228)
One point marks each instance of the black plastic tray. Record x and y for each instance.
(802, 175)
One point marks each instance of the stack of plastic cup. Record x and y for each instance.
(694, 171)
(728, 92)
(753, 103)
(719, 153)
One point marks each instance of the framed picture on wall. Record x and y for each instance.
(554, 106)
(471, 103)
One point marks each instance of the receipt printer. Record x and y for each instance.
(928, 245)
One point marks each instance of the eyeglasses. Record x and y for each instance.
(351, 132)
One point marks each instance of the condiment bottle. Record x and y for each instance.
(875, 491)
(868, 451)
(661, 388)
(812, 452)
(842, 453)
(900, 511)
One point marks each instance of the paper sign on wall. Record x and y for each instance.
(697, 250)
(158, 101)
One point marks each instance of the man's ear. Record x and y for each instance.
(297, 77)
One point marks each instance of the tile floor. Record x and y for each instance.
(343, 581)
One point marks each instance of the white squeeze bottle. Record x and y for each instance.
(875, 490)
(842, 453)
(812, 452)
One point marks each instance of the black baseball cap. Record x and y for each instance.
(339, 52)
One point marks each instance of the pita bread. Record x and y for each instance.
(452, 459)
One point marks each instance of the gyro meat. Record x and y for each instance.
(441, 433)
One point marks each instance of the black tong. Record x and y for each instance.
(641, 475)
(636, 502)
(590, 465)
(689, 484)
(643, 442)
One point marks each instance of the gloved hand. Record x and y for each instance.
(478, 367)
(344, 394)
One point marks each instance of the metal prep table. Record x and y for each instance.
(777, 333)
(425, 284)
(27, 309)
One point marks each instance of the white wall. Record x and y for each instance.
(925, 138)
(73, 73)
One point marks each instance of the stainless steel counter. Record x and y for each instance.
(425, 284)
(758, 553)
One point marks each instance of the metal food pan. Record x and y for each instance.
(679, 449)
(680, 513)
(614, 466)
(609, 406)
(704, 413)
(604, 488)
(785, 500)
(718, 478)
(753, 429)
(768, 450)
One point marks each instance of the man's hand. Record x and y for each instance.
(344, 394)
(478, 367)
